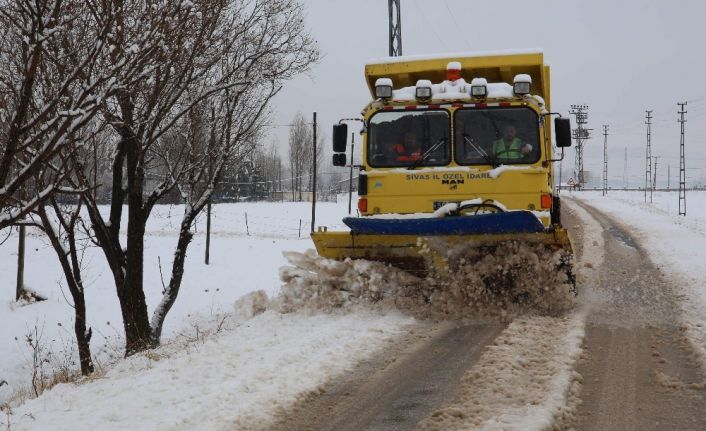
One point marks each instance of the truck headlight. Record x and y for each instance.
(423, 89)
(522, 84)
(479, 87)
(383, 88)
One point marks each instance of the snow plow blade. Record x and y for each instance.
(447, 267)
(427, 253)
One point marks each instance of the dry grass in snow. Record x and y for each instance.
(238, 380)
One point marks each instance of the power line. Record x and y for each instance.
(429, 26)
(696, 99)
(458, 27)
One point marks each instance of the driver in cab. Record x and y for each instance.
(509, 146)
(408, 149)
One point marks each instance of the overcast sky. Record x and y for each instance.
(618, 57)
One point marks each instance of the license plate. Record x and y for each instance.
(439, 204)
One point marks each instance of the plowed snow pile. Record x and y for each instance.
(513, 279)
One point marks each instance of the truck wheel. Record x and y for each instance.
(556, 210)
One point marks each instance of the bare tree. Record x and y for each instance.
(213, 68)
(300, 154)
(321, 152)
(268, 163)
(52, 87)
(184, 88)
(60, 223)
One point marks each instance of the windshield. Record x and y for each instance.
(405, 139)
(496, 136)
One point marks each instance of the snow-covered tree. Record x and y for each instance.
(49, 90)
(176, 90)
(214, 68)
(53, 84)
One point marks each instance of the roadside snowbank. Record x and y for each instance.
(236, 380)
(591, 254)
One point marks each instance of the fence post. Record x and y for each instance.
(247, 228)
(300, 228)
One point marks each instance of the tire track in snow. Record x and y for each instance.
(638, 371)
(523, 381)
(396, 389)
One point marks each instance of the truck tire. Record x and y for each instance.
(556, 211)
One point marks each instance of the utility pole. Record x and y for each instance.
(682, 162)
(580, 134)
(654, 181)
(625, 170)
(605, 159)
(393, 7)
(350, 177)
(313, 191)
(648, 156)
(669, 174)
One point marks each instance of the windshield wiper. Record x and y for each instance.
(491, 160)
(427, 153)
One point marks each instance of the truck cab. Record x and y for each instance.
(474, 130)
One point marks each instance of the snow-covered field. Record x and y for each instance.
(239, 263)
(222, 370)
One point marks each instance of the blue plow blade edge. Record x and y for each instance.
(494, 223)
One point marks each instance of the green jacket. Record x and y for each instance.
(512, 151)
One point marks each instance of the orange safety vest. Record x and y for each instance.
(402, 155)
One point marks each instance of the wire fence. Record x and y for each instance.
(289, 220)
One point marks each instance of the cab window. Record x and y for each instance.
(496, 136)
(409, 138)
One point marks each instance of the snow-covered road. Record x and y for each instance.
(637, 370)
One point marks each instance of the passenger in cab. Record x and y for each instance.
(408, 148)
(509, 146)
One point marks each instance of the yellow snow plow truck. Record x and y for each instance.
(457, 155)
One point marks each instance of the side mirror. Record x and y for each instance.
(339, 159)
(562, 129)
(340, 137)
